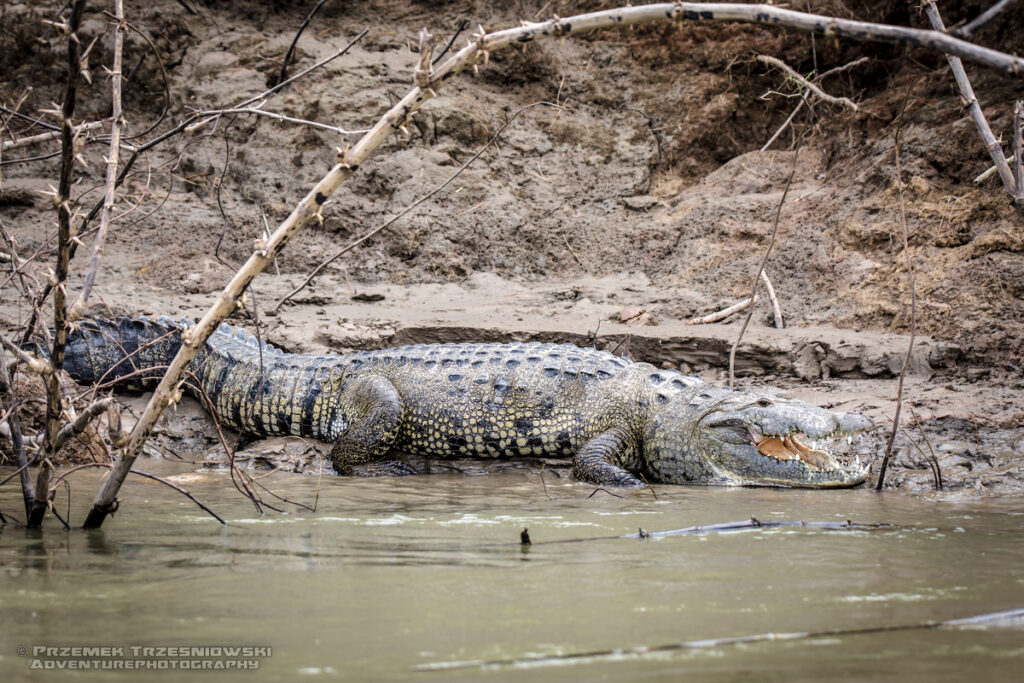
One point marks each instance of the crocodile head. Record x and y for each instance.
(753, 439)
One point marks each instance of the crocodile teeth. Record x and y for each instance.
(789, 447)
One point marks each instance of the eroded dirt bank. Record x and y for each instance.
(644, 199)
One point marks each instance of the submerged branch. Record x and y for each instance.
(1012, 616)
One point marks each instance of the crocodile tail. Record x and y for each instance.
(131, 352)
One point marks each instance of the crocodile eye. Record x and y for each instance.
(764, 403)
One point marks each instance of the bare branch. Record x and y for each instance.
(776, 310)
(992, 146)
(913, 306)
(51, 135)
(821, 94)
(282, 117)
(10, 404)
(117, 125)
(985, 17)
(60, 318)
(722, 314)
(36, 365)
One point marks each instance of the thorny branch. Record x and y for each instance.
(116, 126)
(64, 229)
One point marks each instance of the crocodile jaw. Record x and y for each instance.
(788, 444)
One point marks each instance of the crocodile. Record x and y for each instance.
(621, 422)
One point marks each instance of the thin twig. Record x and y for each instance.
(282, 117)
(291, 48)
(821, 94)
(931, 451)
(760, 269)
(985, 17)
(913, 301)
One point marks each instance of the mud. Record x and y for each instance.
(638, 203)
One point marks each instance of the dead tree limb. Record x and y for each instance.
(992, 146)
(776, 309)
(60, 312)
(724, 313)
(50, 135)
(985, 17)
(475, 52)
(117, 125)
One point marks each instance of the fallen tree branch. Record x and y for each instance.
(724, 313)
(776, 309)
(1012, 616)
(992, 146)
(50, 135)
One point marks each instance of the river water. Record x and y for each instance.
(393, 576)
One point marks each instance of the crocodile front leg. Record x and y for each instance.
(373, 411)
(599, 459)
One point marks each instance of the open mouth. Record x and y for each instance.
(818, 455)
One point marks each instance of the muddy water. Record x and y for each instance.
(389, 575)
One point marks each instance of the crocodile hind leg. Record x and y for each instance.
(599, 460)
(372, 412)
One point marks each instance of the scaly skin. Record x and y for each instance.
(619, 421)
